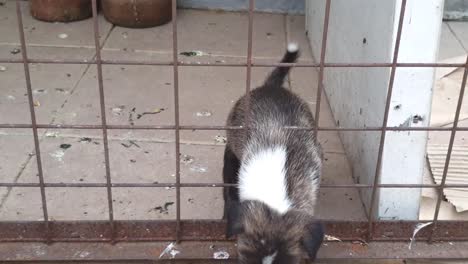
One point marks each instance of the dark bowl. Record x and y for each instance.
(137, 13)
(60, 10)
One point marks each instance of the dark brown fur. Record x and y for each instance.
(262, 231)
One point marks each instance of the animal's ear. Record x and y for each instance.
(313, 238)
(234, 219)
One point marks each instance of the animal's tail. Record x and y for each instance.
(278, 75)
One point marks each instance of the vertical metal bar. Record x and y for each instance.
(249, 62)
(176, 115)
(385, 119)
(449, 150)
(103, 119)
(33, 120)
(326, 22)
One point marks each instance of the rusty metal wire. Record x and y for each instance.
(102, 104)
(254, 64)
(33, 121)
(378, 167)
(450, 148)
(176, 115)
(115, 231)
(194, 127)
(326, 22)
(214, 184)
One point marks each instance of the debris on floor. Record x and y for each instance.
(130, 143)
(199, 169)
(62, 36)
(456, 174)
(416, 231)
(130, 116)
(170, 249)
(118, 110)
(332, 238)
(65, 146)
(186, 159)
(52, 134)
(39, 91)
(2, 68)
(163, 209)
(61, 90)
(85, 140)
(193, 53)
(81, 254)
(204, 113)
(58, 155)
(15, 51)
(174, 253)
(221, 255)
(155, 111)
(220, 139)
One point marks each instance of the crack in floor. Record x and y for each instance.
(4, 198)
(18, 175)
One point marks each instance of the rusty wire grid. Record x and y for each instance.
(213, 230)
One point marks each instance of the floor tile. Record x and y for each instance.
(144, 203)
(16, 151)
(449, 46)
(461, 32)
(51, 84)
(68, 160)
(69, 36)
(22, 204)
(215, 33)
(139, 95)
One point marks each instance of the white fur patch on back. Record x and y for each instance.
(262, 178)
(269, 259)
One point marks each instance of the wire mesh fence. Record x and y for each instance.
(209, 230)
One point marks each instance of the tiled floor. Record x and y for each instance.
(68, 94)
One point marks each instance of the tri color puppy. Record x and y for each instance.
(278, 174)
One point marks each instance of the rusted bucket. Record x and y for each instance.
(60, 10)
(137, 13)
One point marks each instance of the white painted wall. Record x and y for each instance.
(365, 31)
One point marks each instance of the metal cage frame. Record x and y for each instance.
(384, 238)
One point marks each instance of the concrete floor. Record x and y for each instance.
(68, 94)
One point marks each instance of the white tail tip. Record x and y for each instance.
(293, 47)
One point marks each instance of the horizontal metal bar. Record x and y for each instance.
(150, 252)
(193, 127)
(211, 230)
(241, 64)
(206, 185)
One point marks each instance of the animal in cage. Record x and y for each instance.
(277, 171)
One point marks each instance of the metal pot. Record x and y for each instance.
(60, 10)
(137, 13)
